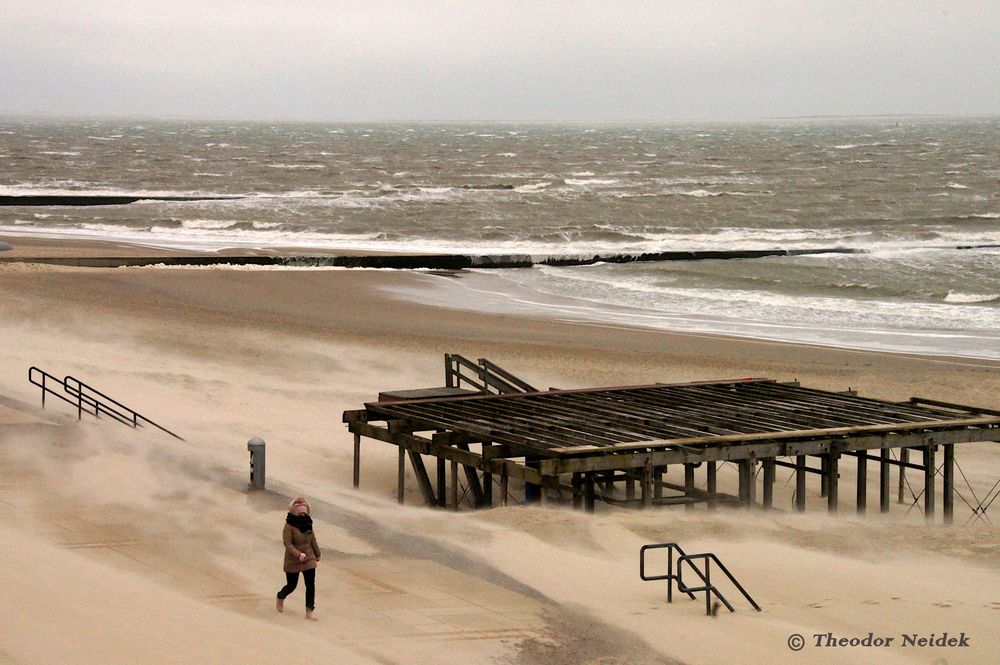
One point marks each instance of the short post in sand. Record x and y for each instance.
(257, 458)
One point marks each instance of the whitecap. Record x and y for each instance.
(532, 187)
(955, 185)
(65, 153)
(958, 296)
(209, 223)
(296, 166)
(582, 182)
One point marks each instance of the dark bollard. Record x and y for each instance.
(256, 448)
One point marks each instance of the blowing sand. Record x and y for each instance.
(121, 546)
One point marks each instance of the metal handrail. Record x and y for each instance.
(514, 381)
(137, 419)
(489, 375)
(88, 399)
(670, 577)
(706, 576)
(710, 588)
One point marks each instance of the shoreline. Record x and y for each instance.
(509, 299)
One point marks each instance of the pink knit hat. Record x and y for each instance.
(300, 501)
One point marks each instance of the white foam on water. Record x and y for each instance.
(959, 297)
(955, 185)
(296, 166)
(493, 291)
(585, 182)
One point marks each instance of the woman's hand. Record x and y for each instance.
(302, 556)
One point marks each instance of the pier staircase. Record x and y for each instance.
(677, 558)
(87, 399)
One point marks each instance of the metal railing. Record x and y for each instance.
(707, 587)
(89, 400)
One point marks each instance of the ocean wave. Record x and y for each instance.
(959, 297)
(585, 182)
(532, 187)
(955, 185)
(296, 166)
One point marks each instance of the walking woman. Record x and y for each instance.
(301, 555)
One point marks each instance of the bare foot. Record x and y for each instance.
(310, 617)
(279, 605)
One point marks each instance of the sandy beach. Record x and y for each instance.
(126, 546)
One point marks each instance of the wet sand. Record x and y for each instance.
(96, 518)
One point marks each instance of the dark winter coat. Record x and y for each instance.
(296, 543)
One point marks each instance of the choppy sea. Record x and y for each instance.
(908, 192)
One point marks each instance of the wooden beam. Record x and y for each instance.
(454, 485)
(504, 487)
(588, 492)
(636, 460)
(795, 434)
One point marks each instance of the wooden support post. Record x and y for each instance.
(487, 489)
(824, 466)
(948, 499)
(357, 461)
(769, 482)
(472, 478)
(688, 484)
(647, 484)
(657, 482)
(577, 484)
(609, 482)
(862, 491)
(423, 480)
(800, 483)
(711, 484)
(930, 469)
(442, 483)
(752, 478)
(588, 492)
(532, 492)
(454, 486)
(630, 484)
(401, 480)
(883, 481)
(745, 482)
(504, 483)
(832, 477)
(904, 457)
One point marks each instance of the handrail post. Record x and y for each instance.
(708, 586)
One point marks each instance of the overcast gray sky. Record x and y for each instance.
(495, 60)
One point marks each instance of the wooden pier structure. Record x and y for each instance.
(619, 445)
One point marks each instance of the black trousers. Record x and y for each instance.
(292, 581)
